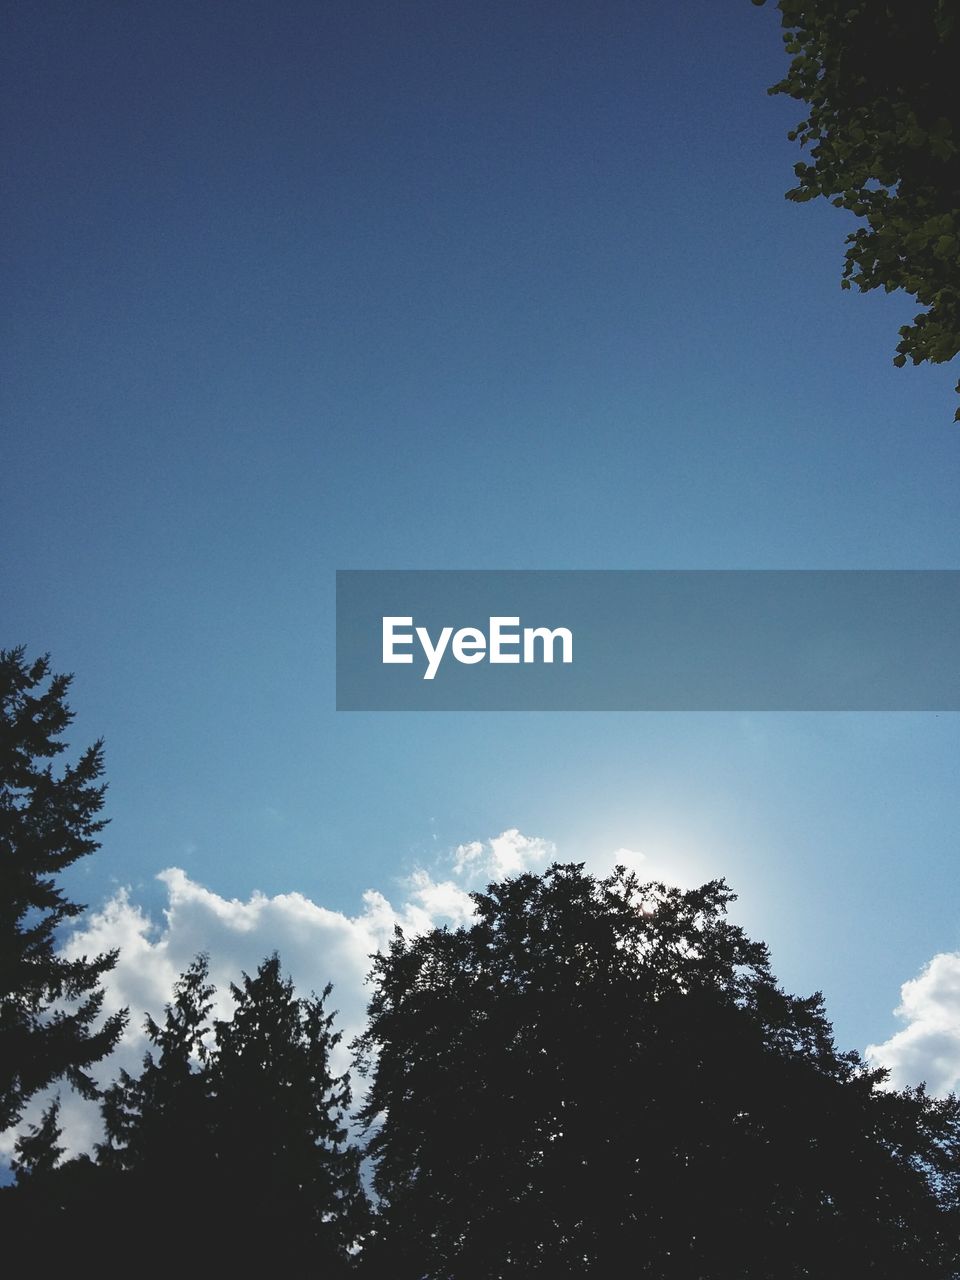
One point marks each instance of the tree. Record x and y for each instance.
(53, 1206)
(883, 127)
(240, 1122)
(153, 1164)
(49, 1006)
(284, 1159)
(600, 1070)
(157, 1162)
(156, 1124)
(38, 1151)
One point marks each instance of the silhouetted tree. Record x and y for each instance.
(883, 126)
(600, 1077)
(150, 1181)
(44, 1215)
(284, 1162)
(38, 1150)
(154, 1120)
(48, 1005)
(233, 1135)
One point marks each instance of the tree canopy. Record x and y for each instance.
(284, 1158)
(879, 80)
(49, 1005)
(156, 1124)
(600, 1070)
(238, 1121)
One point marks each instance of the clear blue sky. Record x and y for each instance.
(294, 287)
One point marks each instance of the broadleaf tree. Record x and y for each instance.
(879, 82)
(602, 1073)
(50, 1006)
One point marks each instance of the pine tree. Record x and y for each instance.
(38, 1151)
(157, 1123)
(233, 1136)
(284, 1160)
(155, 1163)
(46, 1211)
(49, 1006)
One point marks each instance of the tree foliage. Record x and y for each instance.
(38, 1150)
(238, 1122)
(156, 1124)
(280, 1126)
(600, 1070)
(49, 1005)
(879, 80)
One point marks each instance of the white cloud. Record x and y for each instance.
(505, 855)
(435, 900)
(631, 859)
(928, 1047)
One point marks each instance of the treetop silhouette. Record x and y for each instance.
(49, 1005)
(599, 1069)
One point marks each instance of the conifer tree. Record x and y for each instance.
(52, 1205)
(49, 1005)
(284, 1159)
(234, 1135)
(38, 1151)
(158, 1122)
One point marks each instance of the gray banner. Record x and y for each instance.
(648, 640)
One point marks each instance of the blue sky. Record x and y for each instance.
(306, 286)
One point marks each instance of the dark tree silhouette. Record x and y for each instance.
(53, 1207)
(38, 1150)
(235, 1132)
(283, 1157)
(600, 1076)
(157, 1124)
(49, 1006)
(883, 130)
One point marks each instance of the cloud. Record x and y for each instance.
(505, 855)
(632, 860)
(928, 1047)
